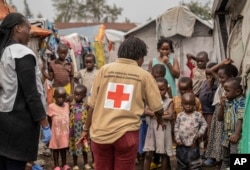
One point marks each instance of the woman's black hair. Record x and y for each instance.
(163, 40)
(230, 70)
(6, 28)
(132, 48)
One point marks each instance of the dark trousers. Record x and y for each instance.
(10, 164)
(188, 158)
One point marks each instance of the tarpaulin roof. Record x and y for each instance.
(37, 31)
(5, 9)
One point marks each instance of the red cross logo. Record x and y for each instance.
(118, 96)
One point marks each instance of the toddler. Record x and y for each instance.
(190, 125)
(231, 113)
(78, 115)
(59, 113)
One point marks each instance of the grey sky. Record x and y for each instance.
(137, 11)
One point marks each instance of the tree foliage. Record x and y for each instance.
(201, 10)
(86, 10)
(27, 11)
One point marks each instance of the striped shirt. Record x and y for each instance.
(62, 73)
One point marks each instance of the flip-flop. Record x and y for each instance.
(66, 167)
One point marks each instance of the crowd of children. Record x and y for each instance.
(206, 117)
(203, 114)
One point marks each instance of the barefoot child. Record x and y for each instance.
(59, 113)
(78, 117)
(190, 125)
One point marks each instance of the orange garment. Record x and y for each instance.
(60, 126)
(178, 106)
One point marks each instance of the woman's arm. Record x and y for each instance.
(174, 69)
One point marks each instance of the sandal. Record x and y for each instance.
(66, 167)
(57, 168)
(76, 167)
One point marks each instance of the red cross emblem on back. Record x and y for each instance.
(119, 96)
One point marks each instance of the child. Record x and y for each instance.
(222, 72)
(157, 140)
(190, 125)
(158, 70)
(61, 71)
(206, 96)
(59, 113)
(166, 50)
(199, 72)
(78, 117)
(87, 74)
(184, 85)
(231, 113)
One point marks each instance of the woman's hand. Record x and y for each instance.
(165, 59)
(29, 165)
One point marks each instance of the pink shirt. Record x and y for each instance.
(60, 126)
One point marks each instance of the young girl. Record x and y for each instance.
(59, 113)
(206, 96)
(165, 48)
(78, 117)
(159, 141)
(190, 125)
(222, 72)
(87, 74)
(158, 70)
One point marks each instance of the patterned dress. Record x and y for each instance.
(78, 116)
(214, 147)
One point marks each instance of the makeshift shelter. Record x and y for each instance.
(232, 27)
(189, 34)
(5, 9)
(115, 39)
(96, 36)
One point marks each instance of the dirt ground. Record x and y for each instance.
(49, 164)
